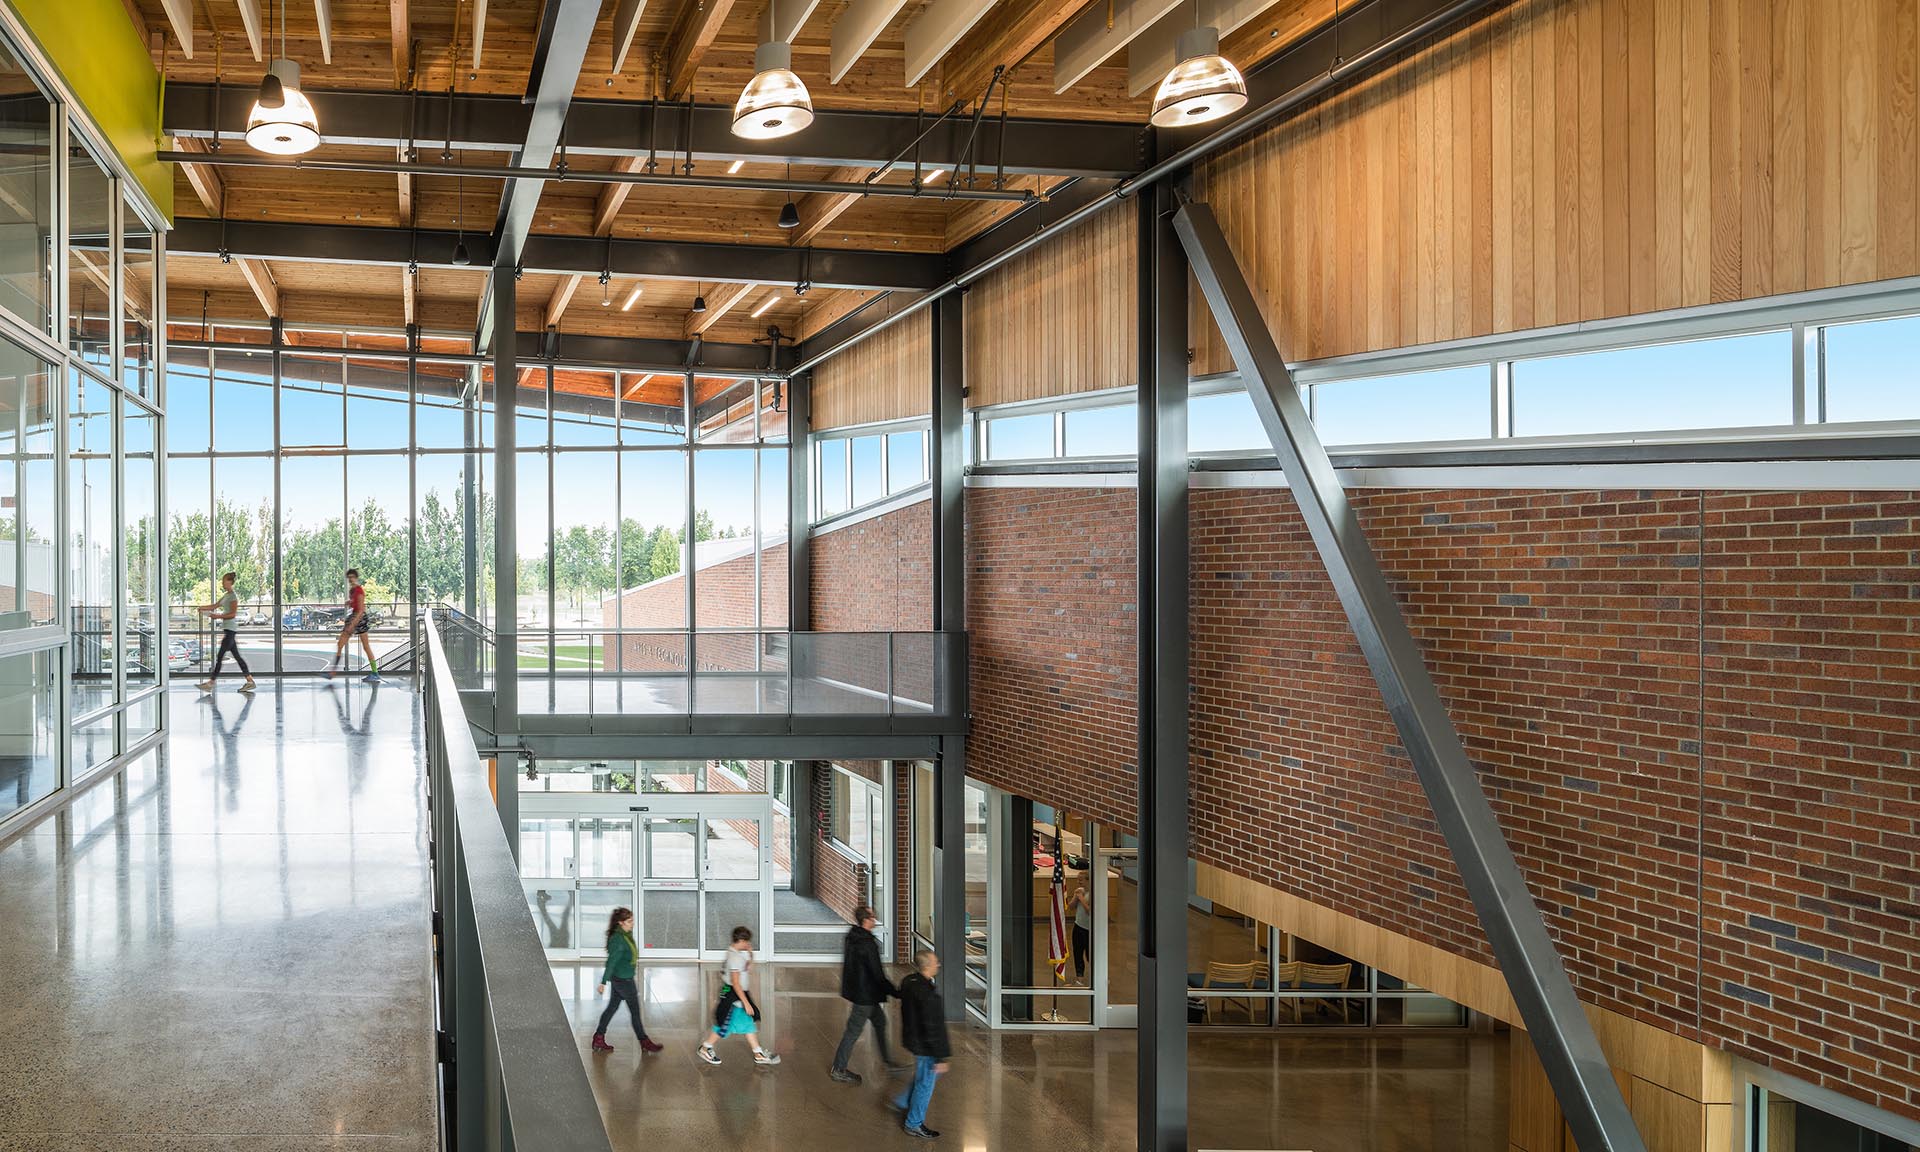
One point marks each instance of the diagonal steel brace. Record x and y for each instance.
(1576, 1067)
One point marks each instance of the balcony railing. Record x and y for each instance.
(673, 681)
(512, 1072)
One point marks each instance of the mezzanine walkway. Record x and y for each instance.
(226, 946)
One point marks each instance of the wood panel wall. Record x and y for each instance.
(1566, 160)
(888, 376)
(1058, 320)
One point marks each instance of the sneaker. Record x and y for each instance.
(248, 686)
(921, 1133)
(766, 1059)
(899, 1106)
(600, 1044)
(329, 673)
(206, 685)
(707, 1053)
(649, 1046)
(844, 1076)
(372, 678)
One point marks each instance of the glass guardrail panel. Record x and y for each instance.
(732, 677)
(916, 672)
(841, 673)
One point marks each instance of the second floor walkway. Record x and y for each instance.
(225, 946)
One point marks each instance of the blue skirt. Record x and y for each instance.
(739, 1022)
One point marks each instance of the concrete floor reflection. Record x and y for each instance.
(225, 946)
(1057, 1091)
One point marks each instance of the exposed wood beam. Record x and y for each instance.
(1152, 52)
(1089, 41)
(718, 305)
(1011, 34)
(937, 29)
(179, 18)
(323, 15)
(855, 31)
(400, 26)
(260, 278)
(479, 29)
(819, 209)
(408, 306)
(831, 311)
(614, 196)
(202, 178)
(562, 295)
(788, 19)
(406, 193)
(626, 22)
(698, 26)
(634, 388)
(250, 19)
(139, 21)
(1278, 28)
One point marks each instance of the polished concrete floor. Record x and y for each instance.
(1053, 1091)
(225, 947)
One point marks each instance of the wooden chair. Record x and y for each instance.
(1333, 977)
(1249, 976)
(1287, 975)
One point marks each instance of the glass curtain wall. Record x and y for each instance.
(289, 468)
(84, 651)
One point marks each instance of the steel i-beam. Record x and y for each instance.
(1570, 1052)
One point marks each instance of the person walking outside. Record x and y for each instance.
(923, 1029)
(224, 612)
(864, 983)
(619, 972)
(736, 1014)
(356, 625)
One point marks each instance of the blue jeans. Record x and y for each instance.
(919, 1093)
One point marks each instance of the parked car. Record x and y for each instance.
(296, 619)
(178, 658)
(195, 651)
(259, 617)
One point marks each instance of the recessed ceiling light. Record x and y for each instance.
(733, 169)
(769, 302)
(933, 175)
(632, 298)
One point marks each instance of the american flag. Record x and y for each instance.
(1057, 935)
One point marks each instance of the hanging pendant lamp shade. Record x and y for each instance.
(1203, 86)
(789, 216)
(289, 127)
(774, 103)
(460, 254)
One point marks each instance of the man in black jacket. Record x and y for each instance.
(863, 982)
(923, 1029)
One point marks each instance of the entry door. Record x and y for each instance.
(548, 874)
(604, 859)
(736, 877)
(1116, 945)
(668, 858)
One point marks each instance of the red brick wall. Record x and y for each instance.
(725, 593)
(1050, 613)
(877, 575)
(1588, 645)
(841, 883)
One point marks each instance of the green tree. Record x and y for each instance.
(664, 549)
(189, 564)
(636, 554)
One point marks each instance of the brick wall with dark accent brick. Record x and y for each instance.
(1050, 617)
(877, 575)
(1589, 646)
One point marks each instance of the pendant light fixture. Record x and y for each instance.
(281, 121)
(699, 301)
(774, 103)
(460, 254)
(1203, 85)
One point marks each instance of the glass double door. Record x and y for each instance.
(692, 868)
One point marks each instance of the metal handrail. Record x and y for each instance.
(514, 1078)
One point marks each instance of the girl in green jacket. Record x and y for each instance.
(621, 953)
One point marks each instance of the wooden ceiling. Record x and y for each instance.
(701, 47)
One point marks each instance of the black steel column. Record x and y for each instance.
(506, 569)
(799, 506)
(947, 462)
(1162, 476)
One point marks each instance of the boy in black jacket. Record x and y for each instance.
(864, 983)
(923, 1029)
